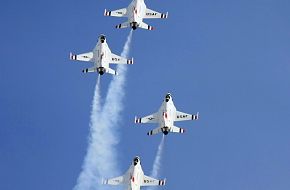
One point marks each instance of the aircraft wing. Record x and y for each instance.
(115, 181)
(149, 181)
(116, 59)
(153, 118)
(154, 14)
(180, 116)
(121, 180)
(116, 13)
(82, 57)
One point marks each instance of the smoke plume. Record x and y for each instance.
(101, 158)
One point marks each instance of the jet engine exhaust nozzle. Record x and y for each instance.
(165, 130)
(134, 25)
(101, 70)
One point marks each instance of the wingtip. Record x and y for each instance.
(104, 181)
(135, 120)
(164, 181)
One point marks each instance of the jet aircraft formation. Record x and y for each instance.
(101, 56)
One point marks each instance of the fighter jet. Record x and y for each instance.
(134, 178)
(166, 116)
(101, 56)
(136, 12)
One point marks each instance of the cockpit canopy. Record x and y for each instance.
(136, 160)
(102, 38)
(167, 97)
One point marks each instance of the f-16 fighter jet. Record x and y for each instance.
(134, 178)
(166, 116)
(101, 56)
(136, 12)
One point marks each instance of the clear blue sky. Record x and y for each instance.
(229, 60)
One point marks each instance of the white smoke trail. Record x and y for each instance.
(101, 158)
(87, 175)
(158, 159)
(157, 162)
(110, 117)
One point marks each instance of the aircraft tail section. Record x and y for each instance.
(154, 131)
(145, 26)
(90, 70)
(111, 71)
(175, 129)
(123, 25)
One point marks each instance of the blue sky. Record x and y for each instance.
(229, 60)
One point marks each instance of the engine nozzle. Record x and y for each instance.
(165, 130)
(134, 25)
(101, 70)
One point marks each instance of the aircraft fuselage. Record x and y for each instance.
(136, 13)
(167, 113)
(102, 56)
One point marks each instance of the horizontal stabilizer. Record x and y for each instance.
(123, 25)
(145, 26)
(155, 131)
(90, 70)
(175, 129)
(111, 71)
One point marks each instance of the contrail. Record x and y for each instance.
(101, 158)
(158, 159)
